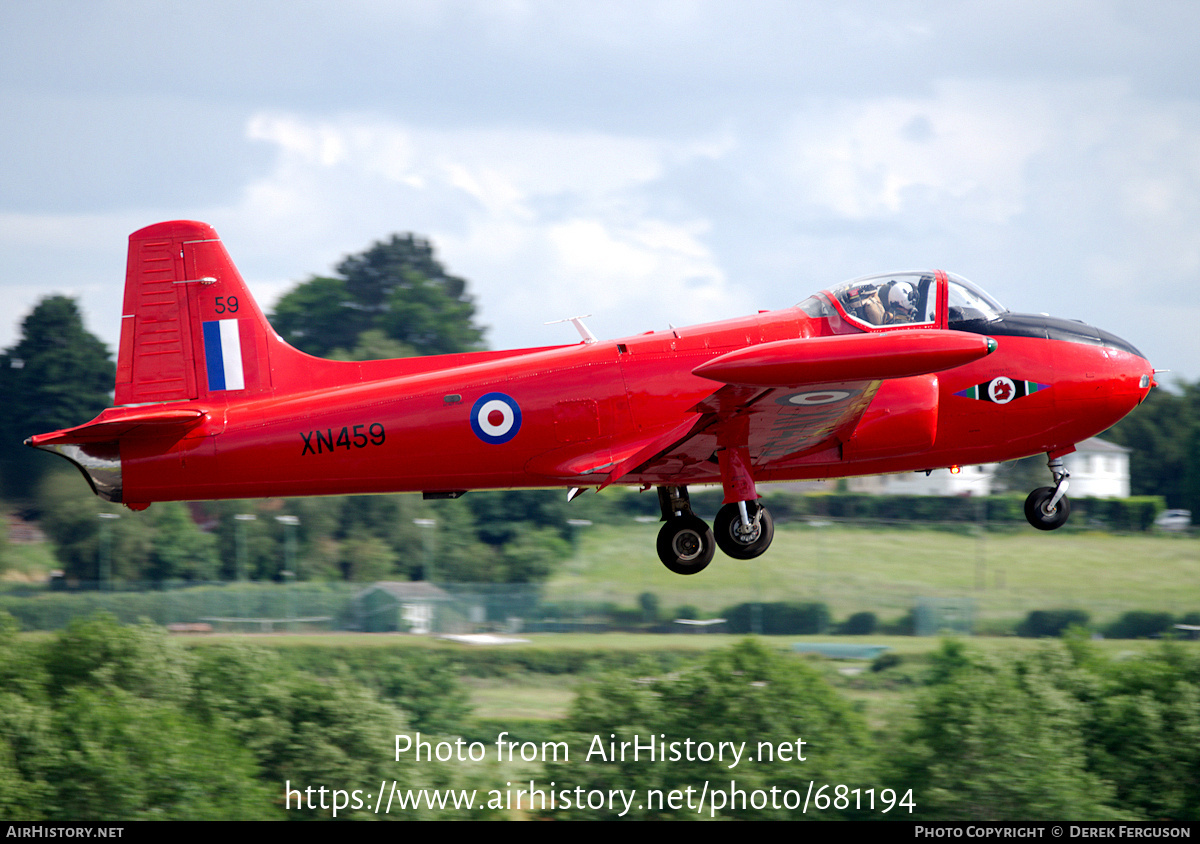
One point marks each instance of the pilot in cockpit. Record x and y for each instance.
(884, 300)
(898, 303)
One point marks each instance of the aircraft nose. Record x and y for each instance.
(1130, 366)
(1123, 374)
(1100, 377)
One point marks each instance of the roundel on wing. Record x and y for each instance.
(496, 418)
(812, 398)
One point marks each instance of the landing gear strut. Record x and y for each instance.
(1047, 508)
(685, 544)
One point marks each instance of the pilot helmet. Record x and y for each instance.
(900, 297)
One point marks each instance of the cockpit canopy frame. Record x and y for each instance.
(906, 299)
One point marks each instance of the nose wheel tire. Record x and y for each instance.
(1038, 512)
(685, 544)
(737, 542)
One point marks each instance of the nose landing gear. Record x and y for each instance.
(1047, 508)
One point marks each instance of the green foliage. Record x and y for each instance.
(743, 693)
(423, 684)
(532, 555)
(308, 730)
(123, 757)
(373, 344)
(4, 561)
(112, 722)
(777, 618)
(885, 661)
(1140, 624)
(98, 652)
(395, 291)
(70, 520)
(53, 610)
(1163, 436)
(1058, 733)
(57, 375)
(366, 559)
(179, 550)
(648, 603)
(299, 728)
(1137, 513)
(95, 726)
(162, 543)
(1052, 623)
(499, 515)
(1144, 731)
(517, 536)
(1000, 740)
(859, 624)
(29, 748)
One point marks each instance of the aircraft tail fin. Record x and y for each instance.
(190, 328)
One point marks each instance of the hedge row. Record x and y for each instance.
(1125, 514)
(1134, 624)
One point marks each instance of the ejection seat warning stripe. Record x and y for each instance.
(223, 355)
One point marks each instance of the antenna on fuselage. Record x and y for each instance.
(577, 321)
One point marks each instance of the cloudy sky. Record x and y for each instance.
(645, 162)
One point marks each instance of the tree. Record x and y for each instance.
(1163, 436)
(179, 549)
(1143, 732)
(1002, 740)
(310, 730)
(57, 375)
(100, 726)
(397, 290)
(745, 693)
(162, 543)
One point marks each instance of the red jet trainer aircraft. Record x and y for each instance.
(891, 373)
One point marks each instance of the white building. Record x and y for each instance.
(969, 480)
(1099, 469)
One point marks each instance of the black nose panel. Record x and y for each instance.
(1048, 327)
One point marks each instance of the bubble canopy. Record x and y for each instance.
(906, 298)
(970, 302)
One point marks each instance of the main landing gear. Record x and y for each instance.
(1047, 508)
(685, 544)
(743, 530)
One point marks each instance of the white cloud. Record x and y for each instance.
(963, 148)
(544, 224)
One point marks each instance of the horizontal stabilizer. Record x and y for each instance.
(847, 357)
(117, 422)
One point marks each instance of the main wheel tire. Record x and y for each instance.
(730, 539)
(1037, 510)
(685, 544)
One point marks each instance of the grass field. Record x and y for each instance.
(884, 570)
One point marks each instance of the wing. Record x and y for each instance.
(789, 399)
(775, 424)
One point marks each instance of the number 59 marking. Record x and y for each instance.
(227, 303)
